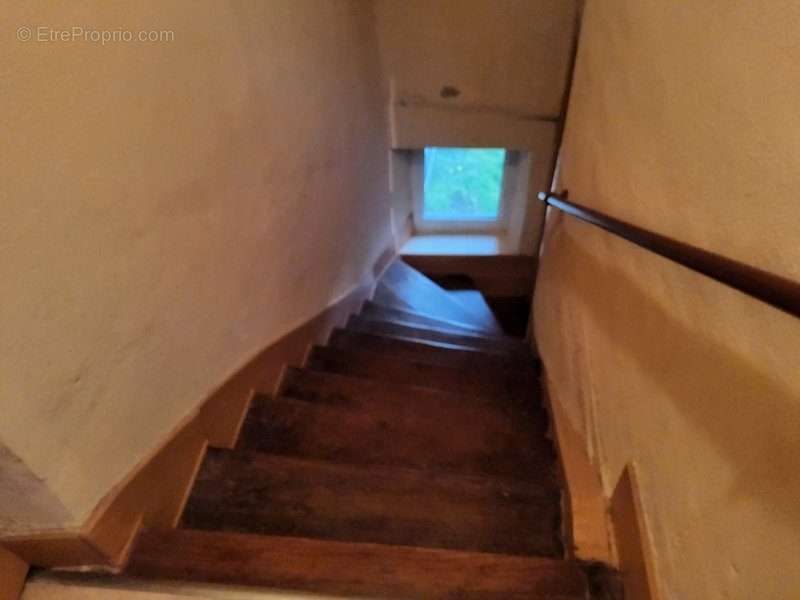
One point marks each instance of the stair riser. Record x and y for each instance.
(484, 382)
(380, 312)
(362, 393)
(429, 353)
(369, 570)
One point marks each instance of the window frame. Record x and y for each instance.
(508, 193)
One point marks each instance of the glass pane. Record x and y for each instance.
(463, 184)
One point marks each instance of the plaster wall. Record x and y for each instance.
(683, 121)
(167, 210)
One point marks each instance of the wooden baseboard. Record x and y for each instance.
(610, 531)
(585, 505)
(154, 493)
(12, 575)
(630, 539)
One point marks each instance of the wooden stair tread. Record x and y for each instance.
(360, 362)
(427, 351)
(420, 332)
(275, 495)
(375, 310)
(477, 441)
(422, 295)
(357, 569)
(474, 301)
(386, 297)
(365, 394)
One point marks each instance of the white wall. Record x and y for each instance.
(168, 209)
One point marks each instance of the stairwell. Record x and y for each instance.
(406, 458)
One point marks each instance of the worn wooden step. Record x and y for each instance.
(392, 369)
(476, 303)
(436, 353)
(420, 332)
(276, 495)
(318, 385)
(520, 415)
(374, 310)
(422, 295)
(351, 569)
(475, 440)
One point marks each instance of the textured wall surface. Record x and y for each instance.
(168, 209)
(683, 120)
(504, 56)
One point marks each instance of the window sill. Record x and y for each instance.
(458, 245)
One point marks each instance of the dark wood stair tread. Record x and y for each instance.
(361, 362)
(375, 310)
(424, 296)
(364, 392)
(477, 440)
(420, 332)
(274, 495)
(437, 353)
(358, 569)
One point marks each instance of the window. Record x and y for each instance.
(462, 184)
(462, 189)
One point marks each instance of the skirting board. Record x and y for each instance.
(630, 539)
(586, 512)
(610, 531)
(12, 575)
(154, 493)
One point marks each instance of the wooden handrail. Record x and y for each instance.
(775, 290)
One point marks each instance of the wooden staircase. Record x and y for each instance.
(407, 458)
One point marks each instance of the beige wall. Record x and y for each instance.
(507, 56)
(168, 209)
(683, 120)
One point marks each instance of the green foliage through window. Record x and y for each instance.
(463, 184)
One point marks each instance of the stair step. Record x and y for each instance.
(423, 333)
(430, 352)
(252, 492)
(351, 569)
(476, 441)
(374, 310)
(418, 293)
(476, 303)
(386, 297)
(361, 393)
(391, 369)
